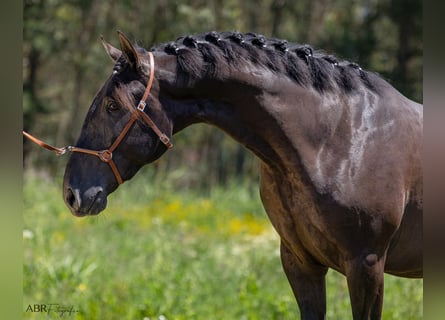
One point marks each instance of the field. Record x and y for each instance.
(157, 254)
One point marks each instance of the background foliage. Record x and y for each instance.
(64, 63)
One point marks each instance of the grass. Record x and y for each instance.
(154, 254)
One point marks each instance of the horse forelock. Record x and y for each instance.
(209, 54)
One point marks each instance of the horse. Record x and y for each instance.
(339, 149)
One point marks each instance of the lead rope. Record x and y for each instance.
(107, 155)
(58, 151)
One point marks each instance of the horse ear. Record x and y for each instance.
(113, 52)
(128, 50)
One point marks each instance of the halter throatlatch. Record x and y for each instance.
(107, 155)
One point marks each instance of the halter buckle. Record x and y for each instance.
(165, 140)
(141, 105)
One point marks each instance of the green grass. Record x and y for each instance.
(154, 254)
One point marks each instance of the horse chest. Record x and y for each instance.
(297, 218)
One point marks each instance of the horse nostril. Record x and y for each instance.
(72, 199)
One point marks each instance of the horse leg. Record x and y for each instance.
(364, 276)
(307, 283)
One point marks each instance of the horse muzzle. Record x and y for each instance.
(87, 203)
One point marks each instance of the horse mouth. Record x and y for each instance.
(94, 210)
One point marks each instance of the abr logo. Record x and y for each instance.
(36, 308)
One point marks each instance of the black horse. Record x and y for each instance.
(340, 150)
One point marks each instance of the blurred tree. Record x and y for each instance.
(85, 21)
(407, 15)
(37, 46)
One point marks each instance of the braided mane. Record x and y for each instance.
(206, 54)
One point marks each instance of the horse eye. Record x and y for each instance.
(111, 107)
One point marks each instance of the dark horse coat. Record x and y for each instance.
(340, 150)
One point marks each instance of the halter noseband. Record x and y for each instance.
(107, 154)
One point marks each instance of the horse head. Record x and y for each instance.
(119, 135)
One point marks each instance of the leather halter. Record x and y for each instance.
(107, 154)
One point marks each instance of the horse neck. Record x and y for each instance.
(266, 112)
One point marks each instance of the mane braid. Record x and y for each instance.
(204, 55)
